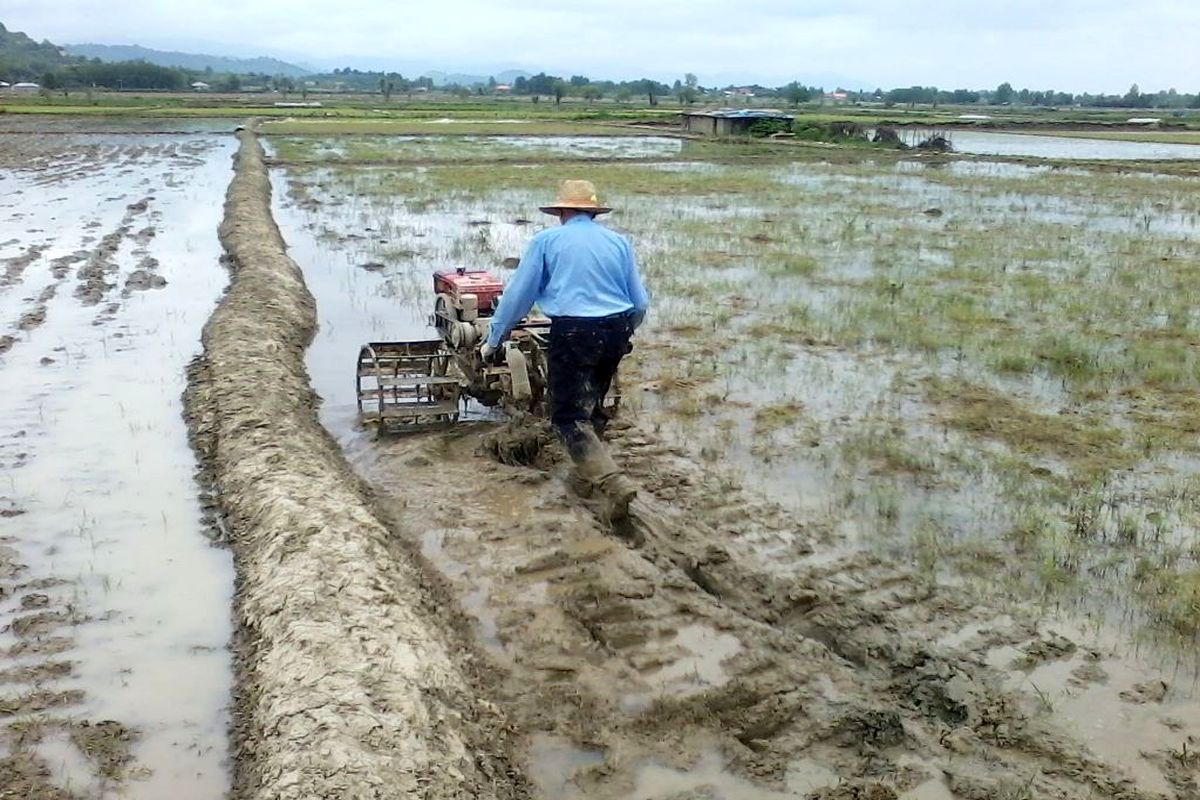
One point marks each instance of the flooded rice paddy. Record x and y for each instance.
(1068, 147)
(915, 439)
(488, 148)
(114, 677)
(981, 370)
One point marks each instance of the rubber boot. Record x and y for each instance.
(620, 491)
(595, 469)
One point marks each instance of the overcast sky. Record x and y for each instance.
(1070, 45)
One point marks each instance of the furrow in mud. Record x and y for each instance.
(352, 682)
(669, 660)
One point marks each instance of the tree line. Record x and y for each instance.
(45, 64)
(1005, 94)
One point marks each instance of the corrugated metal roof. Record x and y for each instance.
(741, 113)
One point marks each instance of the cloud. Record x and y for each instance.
(1068, 44)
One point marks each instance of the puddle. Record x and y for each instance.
(1105, 692)
(701, 652)
(93, 448)
(1066, 147)
(553, 763)
(69, 768)
(477, 600)
(933, 789)
(709, 779)
(807, 776)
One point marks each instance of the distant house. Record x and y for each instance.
(200, 86)
(837, 97)
(25, 86)
(4, 84)
(728, 122)
(503, 88)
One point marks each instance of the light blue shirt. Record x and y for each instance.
(578, 269)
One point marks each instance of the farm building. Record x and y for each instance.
(728, 122)
(25, 87)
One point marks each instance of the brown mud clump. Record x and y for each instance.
(142, 280)
(525, 442)
(353, 679)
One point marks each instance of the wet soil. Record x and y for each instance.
(721, 645)
(111, 597)
(713, 648)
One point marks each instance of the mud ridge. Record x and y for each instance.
(350, 681)
(15, 265)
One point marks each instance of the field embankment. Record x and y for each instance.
(352, 683)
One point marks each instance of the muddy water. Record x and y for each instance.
(481, 554)
(367, 293)
(421, 148)
(1066, 147)
(95, 453)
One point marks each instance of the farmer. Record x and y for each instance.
(585, 278)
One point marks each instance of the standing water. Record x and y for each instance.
(111, 265)
(1069, 147)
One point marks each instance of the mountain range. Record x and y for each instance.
(21, 55)
(263, 64)
(192, 61)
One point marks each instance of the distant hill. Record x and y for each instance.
(463, 79)
(192, 61)
(21, 58)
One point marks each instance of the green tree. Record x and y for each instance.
(797, 94)
(559, 90)
(1003, 94)
(1133, 98)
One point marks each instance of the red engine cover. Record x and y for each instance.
(481, 283)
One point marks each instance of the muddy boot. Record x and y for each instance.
(595, 474)
(619, 489)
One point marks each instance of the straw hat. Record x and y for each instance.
(577, 195)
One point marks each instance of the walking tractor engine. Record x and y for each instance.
(404, 384)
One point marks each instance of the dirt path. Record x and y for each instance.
(355, 681)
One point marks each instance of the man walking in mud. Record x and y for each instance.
(585, 278)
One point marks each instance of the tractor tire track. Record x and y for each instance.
(671, 640)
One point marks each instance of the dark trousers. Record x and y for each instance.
(584, 355)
